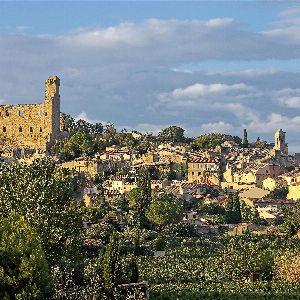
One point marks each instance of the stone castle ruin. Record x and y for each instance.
(31, 127)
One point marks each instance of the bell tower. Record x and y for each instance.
(280, 144)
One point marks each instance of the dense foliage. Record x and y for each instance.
(164, 209)
(211, 140)
(171, 134)
(44, 195)
(23, 266)
(222, 268)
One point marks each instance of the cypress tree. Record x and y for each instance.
(233, 209)
(245, 139)
(111, 265)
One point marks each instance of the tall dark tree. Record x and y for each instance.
(111, 265)
(140, 197)
(233, 209)
(245, 139)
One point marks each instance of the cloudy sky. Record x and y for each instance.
(205, 66)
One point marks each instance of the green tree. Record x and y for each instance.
(79, 143)
(210, 140)
(181, 230)
(44, 195)
(68, 123)
(212, 209)
(250, 214)
(233, 209)
(278, 193)
(164, 210)
(291, 220)
(23, 266)
(245, 139)
(171, 134)
(140, 197)
(130, 270)
(111, 264)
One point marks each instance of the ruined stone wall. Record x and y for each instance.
(32, 126)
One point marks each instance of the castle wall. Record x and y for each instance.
(32, 126)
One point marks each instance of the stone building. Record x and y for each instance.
(280, 144)
(31, 127)
(204, 167)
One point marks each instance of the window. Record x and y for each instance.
(31, 130)
(45, 113)
(41, 112)
(192, 165)
(41, 129)
(199, 166)
(199, 173)
(21, 113)
(4, 129)
(7, 113)
(20, 129)
(193, 174)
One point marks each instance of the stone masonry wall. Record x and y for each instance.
(32, 126)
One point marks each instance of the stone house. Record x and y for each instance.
(204, 167)
(87, 166)
(255, 173)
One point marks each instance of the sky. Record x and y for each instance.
(215, 66)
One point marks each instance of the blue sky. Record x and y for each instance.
(206, 66)
(39, 15)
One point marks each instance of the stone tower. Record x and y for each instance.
(280, 144)
(29, 127)
(52, 108)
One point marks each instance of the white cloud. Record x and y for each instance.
(275, 121)
(199, 89)
(293, 102)
(242, 112)
(218, 22)
(116, 73)
(83, 116)
(217, 127)
(289, 36)
(290, 11)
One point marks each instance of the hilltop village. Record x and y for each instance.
(203, 170)
(124, 215)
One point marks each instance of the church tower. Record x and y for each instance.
(280, 144)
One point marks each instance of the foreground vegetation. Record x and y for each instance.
(45, 252)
